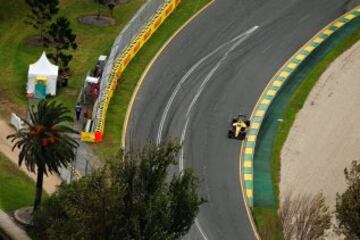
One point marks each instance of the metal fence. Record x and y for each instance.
(122, 42)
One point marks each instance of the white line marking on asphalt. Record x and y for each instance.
(181, 158)
(304, 18)
(238, 40)
(218, 64)
(181, 168)
(185, 77)
(200, 229)
(266, 48)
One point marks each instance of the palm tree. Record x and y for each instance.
(45, 143)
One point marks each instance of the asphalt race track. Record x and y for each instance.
(214, 69)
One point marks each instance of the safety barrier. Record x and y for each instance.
(270, 92)
(121, 55)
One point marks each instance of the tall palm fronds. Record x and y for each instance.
(46, 143)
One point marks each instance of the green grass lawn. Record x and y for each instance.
(16, 188)
(265, 217)
(119, 102)
(16, 54)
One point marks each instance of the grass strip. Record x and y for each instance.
(297, 102)
(16, 188)
(267, 222)
(266, 218)
(17, 54)
(121, 98)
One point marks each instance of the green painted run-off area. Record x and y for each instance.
(265, 194)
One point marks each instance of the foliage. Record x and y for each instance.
(45, 144)
(131, 197)
(61, 38)
(111, 5)
(42, 12)
(99, 6)
(17, 54)
(348, 204)
(304, 217)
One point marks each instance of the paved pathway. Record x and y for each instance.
(9, 228)
(50, 182)
(85, 157)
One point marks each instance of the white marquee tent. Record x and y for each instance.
(45, 72)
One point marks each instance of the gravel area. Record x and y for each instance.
(325, 137)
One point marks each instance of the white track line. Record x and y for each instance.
(181, 168)
(206, 80)
(188, 73)
(200, 229)
(181, 158)
(238, 40)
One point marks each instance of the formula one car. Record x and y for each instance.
(238, 128)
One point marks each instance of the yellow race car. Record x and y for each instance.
(239, 127)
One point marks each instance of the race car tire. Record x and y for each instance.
(230, 134)
(242, 135)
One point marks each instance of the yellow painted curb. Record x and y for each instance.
(267, 91)
(123, 59)
(245, 194)
(138, 85)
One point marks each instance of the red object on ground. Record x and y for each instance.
(98, 136)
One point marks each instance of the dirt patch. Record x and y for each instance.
(96, 21)
(325, 137)
(7, 107)
(35, 41)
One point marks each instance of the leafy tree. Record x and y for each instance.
(100, 3)
(61, 38)
(45, 144)
(111, 5)
(131, 197)
(348, 204)
(42, 12)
